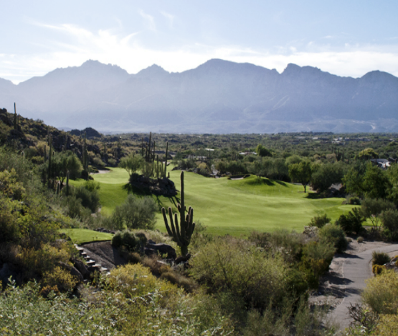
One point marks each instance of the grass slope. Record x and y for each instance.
(233, 206)
(80, 236)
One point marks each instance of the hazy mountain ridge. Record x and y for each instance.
(217, 96)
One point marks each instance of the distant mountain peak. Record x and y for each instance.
(153, 70)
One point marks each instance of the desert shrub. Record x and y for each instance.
(377, 269)
(334, 234)
(74, 208)
(236, 267)
(60, 278)
(261, 239)
(320, 221)
(387, 326)
(129, 256)
(289, 244)
(117, 240)
(373, 206)
(289, 319)
(360, 239)
(380, 258)
(88, 195)
(137, 281)
(381, 293)
(38, 261)
(315, 261)
(156, 267)
(352, 222)
(354, 201)
(135, 213)
(46, 290)
(389, 219)
(25, 312)
(179, 280)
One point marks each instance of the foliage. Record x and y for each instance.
(352, 222)
(136, 281)
(88, 195)
(25, 312)
(320, 220)
(65, 162)
(131, 163)
(387, 326)
(381, 293)
(135, 213)
(389, 219)
(368, 153)
(377, 269)
(60, 278)
(262, 151)
(327, 174)
(334, 234)
(128, 239)
(273, 168)
(233, 266)
(301, 172)
(380, 258)
(372, 208)
(375, 182)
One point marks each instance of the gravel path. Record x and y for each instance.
(356, 268)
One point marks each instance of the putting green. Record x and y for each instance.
(80, 236)
(232, 206)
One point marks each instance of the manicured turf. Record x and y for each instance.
(233, 206)
(80, 236)
(112, 191)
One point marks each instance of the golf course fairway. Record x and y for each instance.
(234, 207)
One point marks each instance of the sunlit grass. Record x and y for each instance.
(232, 206)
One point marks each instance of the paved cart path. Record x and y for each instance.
(356, 269)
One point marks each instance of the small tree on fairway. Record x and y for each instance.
(131, 163)
(301, 172)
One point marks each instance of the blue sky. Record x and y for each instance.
(347, 38)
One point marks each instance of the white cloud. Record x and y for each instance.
(149, 20)
(125, 50)
(169, 17)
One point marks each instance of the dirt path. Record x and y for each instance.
(346, 279)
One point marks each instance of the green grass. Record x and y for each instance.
(231, 207)
(80, 236)
(112, 192)
(241, 206)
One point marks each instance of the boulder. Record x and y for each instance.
(82, 268)
(163, 248)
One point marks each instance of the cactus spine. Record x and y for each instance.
(181, 233)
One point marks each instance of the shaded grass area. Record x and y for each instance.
(232, 207)
(80, 236)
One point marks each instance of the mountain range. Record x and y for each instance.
(216, 97)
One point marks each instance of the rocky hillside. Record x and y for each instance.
(217, 96)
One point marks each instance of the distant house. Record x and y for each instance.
(382, 163)
(247, 153)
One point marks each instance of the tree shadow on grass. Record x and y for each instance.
(313, 196)
(142, 192)
(282, 183)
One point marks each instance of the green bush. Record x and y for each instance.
(117, 240)
(128, 240)
(380, 258)
(88, 196)
(135, 213)
(381, 293)
(320, 221)
(352, 222)
(389, 219)
(236, 267)
(334, 234)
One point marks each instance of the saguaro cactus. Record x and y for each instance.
(181, 233)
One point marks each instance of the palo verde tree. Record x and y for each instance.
(182, 232)
(131, 163)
